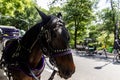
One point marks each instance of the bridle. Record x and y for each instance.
(51, 53)
(43, 34)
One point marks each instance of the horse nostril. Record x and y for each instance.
(68, 73)
(73, 71)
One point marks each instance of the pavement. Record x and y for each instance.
(91, 67)
(88, 67)
(98, 53)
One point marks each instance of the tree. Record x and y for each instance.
(108, 18)
(54, 10)
(19, 13)
(78, 14)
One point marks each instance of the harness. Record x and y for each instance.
(22, 66)
(52, 54)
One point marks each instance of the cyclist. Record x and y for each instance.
(116, 50)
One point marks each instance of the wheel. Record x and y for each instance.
(118, 58)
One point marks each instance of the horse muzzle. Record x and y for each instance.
(66, 73)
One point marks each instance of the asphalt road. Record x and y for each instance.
(91, 68)
(87, 68)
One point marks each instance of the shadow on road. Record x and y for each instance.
(100, 67)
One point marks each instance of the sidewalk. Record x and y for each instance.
(102, 56)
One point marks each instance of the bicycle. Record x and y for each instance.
(117, 52)
(118, 58)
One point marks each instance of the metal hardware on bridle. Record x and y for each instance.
(58, 53)
(44, 49)
(61, 50)
(48, 35)
(62, 53)
(41, 33)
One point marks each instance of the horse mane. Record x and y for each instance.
(32, 33)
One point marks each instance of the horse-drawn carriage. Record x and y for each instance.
(90, 46)
(7, 33)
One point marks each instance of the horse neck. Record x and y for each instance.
(35, 56)
(30, 42)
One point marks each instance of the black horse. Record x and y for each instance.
(24, 57)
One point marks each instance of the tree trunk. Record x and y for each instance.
(75, 38)
(114, 22)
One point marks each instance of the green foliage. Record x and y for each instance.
(19, 13)
(78, 14)
(107, 28)
(55, 10)
(108, 24)
(14, 7)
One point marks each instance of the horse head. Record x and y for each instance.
(56, 40)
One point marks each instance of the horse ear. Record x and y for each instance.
(43, 15)
(59, 15)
